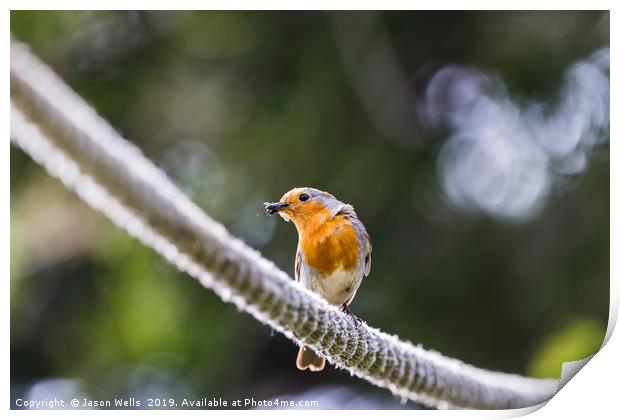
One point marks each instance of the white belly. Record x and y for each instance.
(337, 288)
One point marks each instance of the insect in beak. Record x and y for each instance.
(273, 208)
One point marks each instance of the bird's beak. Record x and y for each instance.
(273, 208)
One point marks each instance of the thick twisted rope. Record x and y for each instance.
(53, 125)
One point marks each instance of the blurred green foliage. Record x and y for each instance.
(239, 107)
(580, 339)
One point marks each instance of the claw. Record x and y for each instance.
(356, 319)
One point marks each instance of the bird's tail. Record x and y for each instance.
(308, 359)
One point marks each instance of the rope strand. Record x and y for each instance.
(61, 132)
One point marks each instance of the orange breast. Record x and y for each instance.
(330, 246)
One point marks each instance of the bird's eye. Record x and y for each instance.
(304, 197)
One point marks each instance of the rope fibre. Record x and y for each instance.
(60, 131)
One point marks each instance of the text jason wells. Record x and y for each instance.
(116, 402)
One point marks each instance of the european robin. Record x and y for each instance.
(333, 252)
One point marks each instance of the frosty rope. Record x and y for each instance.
(52, 124)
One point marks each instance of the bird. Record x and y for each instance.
(333, 252)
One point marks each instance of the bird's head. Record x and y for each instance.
(303, 205)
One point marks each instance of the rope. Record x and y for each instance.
(61, 132)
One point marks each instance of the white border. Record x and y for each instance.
(591, 393)
(313, 5)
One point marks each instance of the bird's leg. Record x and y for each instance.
(356, 319)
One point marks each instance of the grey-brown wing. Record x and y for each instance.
(297, 264)
(348, 211)
(367, 258)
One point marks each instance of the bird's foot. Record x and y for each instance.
(356, 319)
